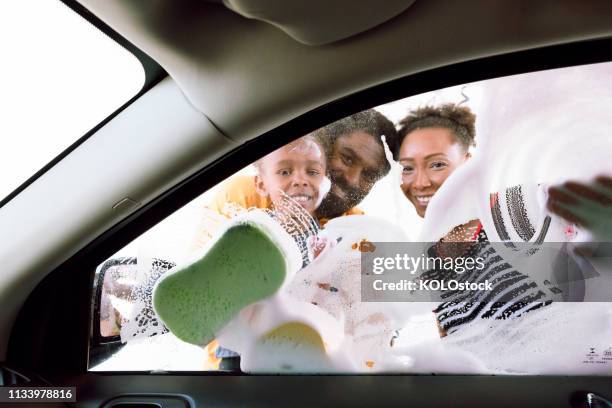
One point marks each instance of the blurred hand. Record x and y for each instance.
(589, 206)
(321, 244)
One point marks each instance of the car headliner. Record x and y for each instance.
(241, 78)
(248, 76)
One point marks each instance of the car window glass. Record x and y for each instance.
(53, 51)
(464, 230)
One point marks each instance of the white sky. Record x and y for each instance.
(59, 77)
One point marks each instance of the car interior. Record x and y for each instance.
(226, 83)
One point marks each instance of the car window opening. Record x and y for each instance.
(459, 231)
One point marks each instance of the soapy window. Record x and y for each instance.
(265, 272)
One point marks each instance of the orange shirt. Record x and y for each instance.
(239, 191)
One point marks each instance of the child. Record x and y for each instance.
(291, 176)
(294, 172)
(293, 179)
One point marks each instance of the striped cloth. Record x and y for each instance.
(513, 293)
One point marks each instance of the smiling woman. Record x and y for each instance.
(433, 142)
(57, 85)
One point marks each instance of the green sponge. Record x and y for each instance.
(249, 261)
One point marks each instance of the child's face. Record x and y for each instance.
(296, 170)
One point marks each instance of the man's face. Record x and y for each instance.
(356, 163)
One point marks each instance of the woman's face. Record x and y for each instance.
(428, 156)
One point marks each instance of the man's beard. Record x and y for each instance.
(334, 206)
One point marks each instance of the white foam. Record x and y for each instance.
(542, 128)
(357, 334)
(160, 352)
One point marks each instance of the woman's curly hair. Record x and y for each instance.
(458, 119)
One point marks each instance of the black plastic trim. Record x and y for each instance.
(347, 391)
(76, 274)
(153, 74)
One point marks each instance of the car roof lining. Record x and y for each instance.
(319, 22)
(248, 77)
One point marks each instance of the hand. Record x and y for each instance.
(589, 206)
(320, 244)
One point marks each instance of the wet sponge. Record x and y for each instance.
(242, 266)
